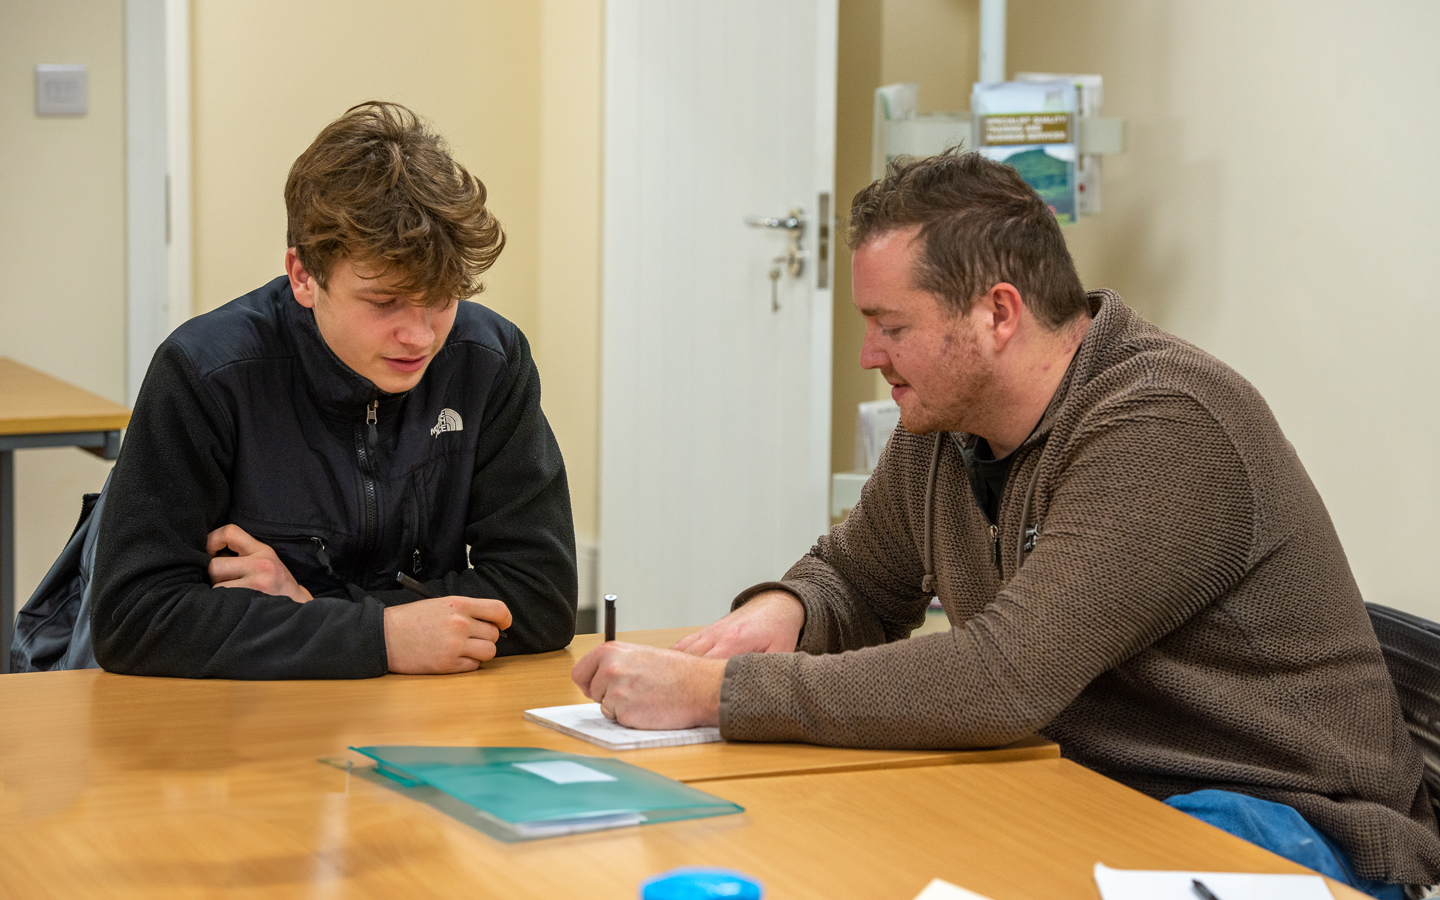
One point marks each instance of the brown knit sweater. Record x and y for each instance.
(1186, 618)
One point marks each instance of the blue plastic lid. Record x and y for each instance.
(698, 883)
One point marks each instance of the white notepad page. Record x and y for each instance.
(940, 889)
(585, 721)
(1139, 884)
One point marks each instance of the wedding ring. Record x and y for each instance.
(607, 712)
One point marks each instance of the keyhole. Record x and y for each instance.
(775, 288)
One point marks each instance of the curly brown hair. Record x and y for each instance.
(981, 224)
(379, 188)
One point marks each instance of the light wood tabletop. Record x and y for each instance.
(120, 736)
(218, 828)
(32, 402)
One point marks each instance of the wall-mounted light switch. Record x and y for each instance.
(61, 90)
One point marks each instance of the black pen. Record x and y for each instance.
(609, 617)
(1201, 891)
(420, 590)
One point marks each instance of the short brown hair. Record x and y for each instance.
(981, 224)
(378, 187)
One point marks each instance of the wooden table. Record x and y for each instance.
(197, 827)
(39, 411)
(115, 786)
(166, 787)
(116, 734)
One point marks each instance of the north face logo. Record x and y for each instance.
(449, 421)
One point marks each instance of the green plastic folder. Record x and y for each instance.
(522, 793)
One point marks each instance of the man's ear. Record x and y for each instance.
(1004, 306)
(302, 283)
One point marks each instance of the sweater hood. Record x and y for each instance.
(1110, 318)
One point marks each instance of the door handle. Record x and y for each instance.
(794, 258)
(793, 222)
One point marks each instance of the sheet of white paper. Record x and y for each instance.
(563, 771)
(1142, 884)
(584, 720)
(940, 889)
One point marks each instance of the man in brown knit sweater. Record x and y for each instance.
(1132, 559)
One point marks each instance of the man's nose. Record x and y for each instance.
(871, 356)
(417, 329)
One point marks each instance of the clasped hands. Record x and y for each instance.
(651, 688)
(433, 636)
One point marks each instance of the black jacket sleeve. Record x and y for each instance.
(154, 610)
(521, 532)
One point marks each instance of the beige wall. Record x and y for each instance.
(858, 74)
(568, 309)
(269, 74)
(62, 246)
(933, 43)
(515, 89)
(1273, 206)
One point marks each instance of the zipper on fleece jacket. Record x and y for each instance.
(322, 553)
(365, 442)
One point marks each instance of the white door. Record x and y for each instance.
(715, 392)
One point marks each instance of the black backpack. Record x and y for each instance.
(1412, 654)
(53, 629)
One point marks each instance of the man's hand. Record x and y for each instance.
(646, 687)
(253, 566)
(443, 635)
(767, 623)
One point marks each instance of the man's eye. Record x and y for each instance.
(892, 332)
(382, 305)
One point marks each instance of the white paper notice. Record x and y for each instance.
(1141, 884)
(940, 889)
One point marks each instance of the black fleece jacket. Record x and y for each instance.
(246, 416)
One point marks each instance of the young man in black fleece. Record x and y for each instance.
(293, 450)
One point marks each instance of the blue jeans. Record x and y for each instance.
(1282, 831)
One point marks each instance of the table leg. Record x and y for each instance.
(7, 556)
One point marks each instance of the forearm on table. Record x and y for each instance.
(539, 595)
(839, 614)
(198, 631)
(904, 695)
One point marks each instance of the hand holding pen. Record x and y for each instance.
(419, 589)
(440, 635)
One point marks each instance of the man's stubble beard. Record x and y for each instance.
(963, 404)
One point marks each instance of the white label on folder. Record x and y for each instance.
(563, 771)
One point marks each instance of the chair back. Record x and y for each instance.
(1412, 654)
